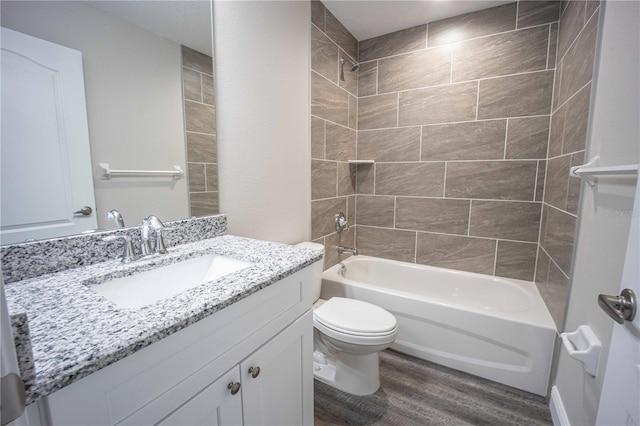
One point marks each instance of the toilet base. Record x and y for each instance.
(355, 374)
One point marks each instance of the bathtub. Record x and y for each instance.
(492, 327)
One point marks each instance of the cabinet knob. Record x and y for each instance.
(234, 387)
(254, 371)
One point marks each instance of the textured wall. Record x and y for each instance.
(333, 130)
(569, 124)
(200, 129)
(456, 114)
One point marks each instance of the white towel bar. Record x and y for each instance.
(591, 169)
(108, 173)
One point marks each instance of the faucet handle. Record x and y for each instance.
(128, 253)
(160, 247)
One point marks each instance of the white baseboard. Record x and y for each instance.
(558, 413)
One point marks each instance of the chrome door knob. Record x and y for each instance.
(621, 308)
(85, 211)
(254, 371)
(234, 387)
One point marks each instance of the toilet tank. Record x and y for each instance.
(317, 268)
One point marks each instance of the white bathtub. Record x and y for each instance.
(496, 328)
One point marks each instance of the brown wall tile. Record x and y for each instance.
(196, 177)
(323, 214)
(553, 46)
(401, 144)
(577, 65)
(386, 243)
(211, 171)
(203, 203)
(471, 25)
(197, 61)
(542, 170)
(433, 214)
(542, 268)
(341, 35)
(429, 67)
(317, 14)
(558, 236)
(516, 260)
(324, 176)
(365, 178)
(368, 79)
(516, 96)
(509, 220)
(443, 104)
(527, 137)
(557, 182)
(353, 112)
(324, 55)
(317, 137)
(350, 82)
(481, 140)
(555, 294)
(501, 54)
(207, 89)
(537, 12)
(456, 252)
(394, 43)
(576, 121)
(570, 25)
(199, 118)
(375, 211)
(417, 179)
(191, 85)
(592, 6)
(328, 101)
(496, 180)
(573, 192)
(201, 148)
(340, 143)
(376, 112)
(556, 133)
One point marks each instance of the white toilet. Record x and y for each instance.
(348, 334)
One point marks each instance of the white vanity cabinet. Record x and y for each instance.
(264, 343)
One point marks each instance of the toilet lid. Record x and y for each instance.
(354, 316)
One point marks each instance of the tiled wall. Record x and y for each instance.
(200, 127)
(456, 115)
(569, 122)
(333, 130)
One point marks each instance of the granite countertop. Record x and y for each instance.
(74, 332)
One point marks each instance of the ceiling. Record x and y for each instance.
(370, 18)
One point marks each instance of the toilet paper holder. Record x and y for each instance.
(584, 346)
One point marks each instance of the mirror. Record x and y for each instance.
(148, 87)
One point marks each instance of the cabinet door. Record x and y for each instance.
(281, 391)
(214, 406)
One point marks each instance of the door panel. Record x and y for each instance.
(46, 164)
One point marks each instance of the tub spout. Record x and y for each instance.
(352, 250)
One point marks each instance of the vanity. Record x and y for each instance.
(235, 349)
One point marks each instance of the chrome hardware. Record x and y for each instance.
(152, 223)
(115, 216)
(254, 371)
(234, 387)
(85, 211)
(621, 308)
(352, 250)
(13, 398)
(341, 222)
(343, 270)
(128, 253)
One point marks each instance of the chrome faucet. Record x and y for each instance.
(352, 250)
(115, 216)
(152, 223)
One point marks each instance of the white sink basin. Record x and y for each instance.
(147, 287)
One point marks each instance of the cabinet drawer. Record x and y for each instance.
(156, 380)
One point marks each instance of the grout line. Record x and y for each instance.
(575, 38)
(334, 42)
(506, 135)
(335, 84)
(377, 75)
(395, 209)
(440, 124)
(420, 147)
(451, 67)
(332, 122)
(420, 197)
(397, 110)
(495, 160)
(572, 96)
(495, 258)
(535, 184)
(324, 139)
(415, 249)
(517, 13)
(195, 70)
(469, 219)
(205, 178)
(560, 210)
(554, 262)
(548, 46)
(444, 184)
(200, 133)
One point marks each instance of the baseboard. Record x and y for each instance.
(558, 413)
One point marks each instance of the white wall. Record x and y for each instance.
(262, 101)
(606, 213)
(134, 102)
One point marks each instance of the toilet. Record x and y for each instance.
(347, 336)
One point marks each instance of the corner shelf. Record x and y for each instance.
(361, 161)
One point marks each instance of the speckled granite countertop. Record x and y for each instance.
(74, 332)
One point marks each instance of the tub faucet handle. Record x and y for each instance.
(341, 222)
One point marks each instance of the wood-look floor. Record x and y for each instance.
(417, 392)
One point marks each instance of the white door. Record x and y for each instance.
(281, 391)
(620, 397)
(45, 157)
(214, 406)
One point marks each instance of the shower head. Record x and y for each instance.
(354, 67)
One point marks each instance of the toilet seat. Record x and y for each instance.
(355, 321)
